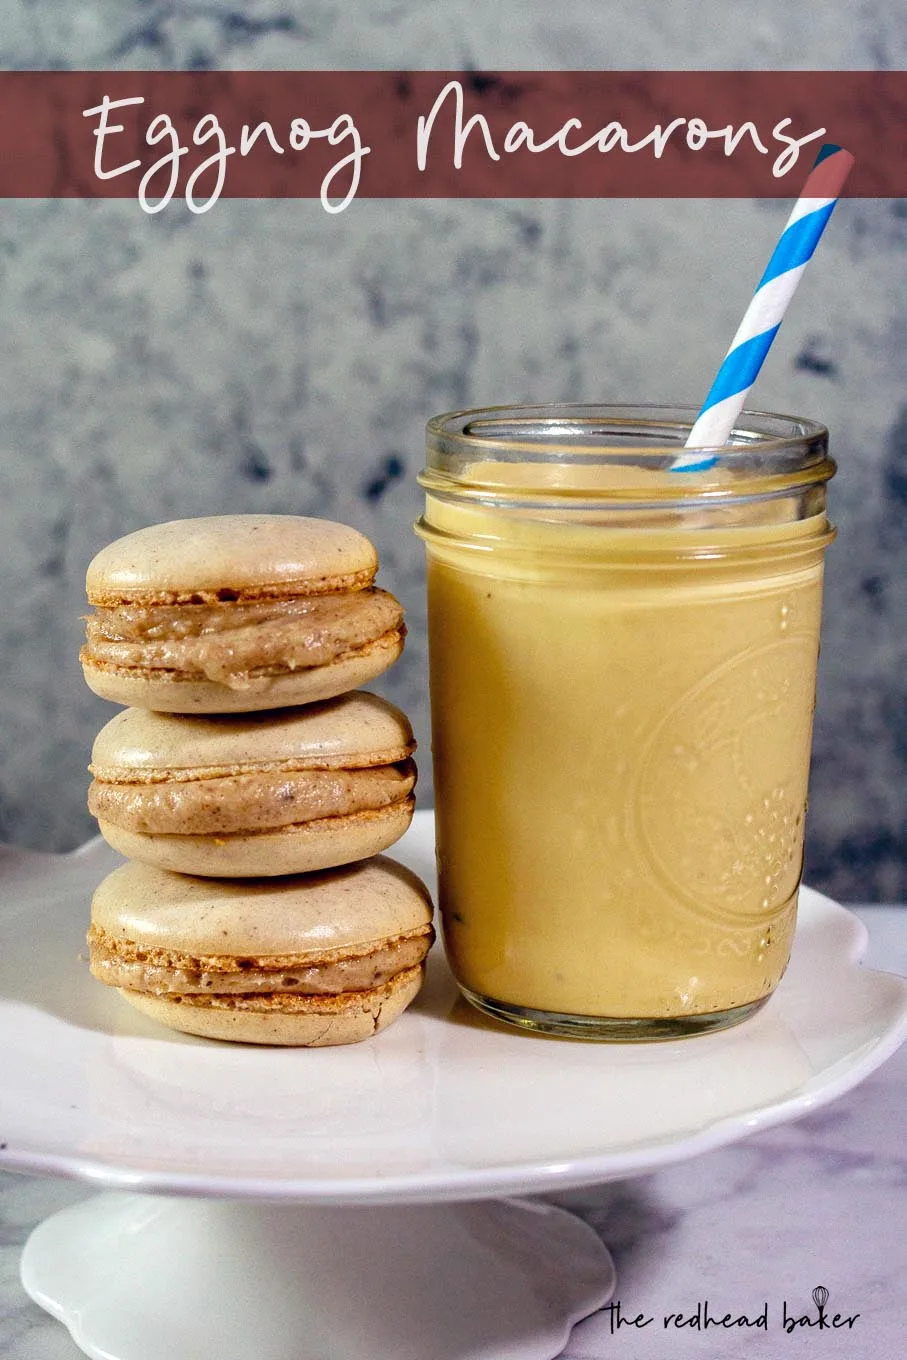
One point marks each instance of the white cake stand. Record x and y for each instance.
(353, 1203)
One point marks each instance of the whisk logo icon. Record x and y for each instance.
(790, 1321)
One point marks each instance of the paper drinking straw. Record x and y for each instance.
(763, 317)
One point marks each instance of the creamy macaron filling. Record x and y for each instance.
(194, 805)
(241, 643)
(123, 963)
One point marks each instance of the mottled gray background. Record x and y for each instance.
(269, 357)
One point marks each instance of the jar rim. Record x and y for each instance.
(574, 453)
(461, 431)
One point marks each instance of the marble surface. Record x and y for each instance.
(269, 357)
(816, 1203)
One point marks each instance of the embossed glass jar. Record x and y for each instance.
(623, 663)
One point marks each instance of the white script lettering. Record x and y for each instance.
(161, 129)
(614, 136)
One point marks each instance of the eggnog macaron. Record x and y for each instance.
(237, 612)
(328, 958)
(279, 792)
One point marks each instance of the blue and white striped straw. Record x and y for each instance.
(763, 317)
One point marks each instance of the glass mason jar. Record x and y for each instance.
(623, 667)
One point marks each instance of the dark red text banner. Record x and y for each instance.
(341, 135)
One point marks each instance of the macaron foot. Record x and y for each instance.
(313, 1022)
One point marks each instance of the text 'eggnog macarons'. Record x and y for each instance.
(234, 613)
(280, 792)
(318, 959)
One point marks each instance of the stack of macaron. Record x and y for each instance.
(251, 784)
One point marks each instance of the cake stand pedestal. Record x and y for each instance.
(138, 1278)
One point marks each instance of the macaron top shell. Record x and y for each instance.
(224, 557)
(305, 915)
(356, 730)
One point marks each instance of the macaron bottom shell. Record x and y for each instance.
(301, 847)
(175, 692)
(285, 1020)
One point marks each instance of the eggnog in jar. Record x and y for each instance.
(623, 665)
